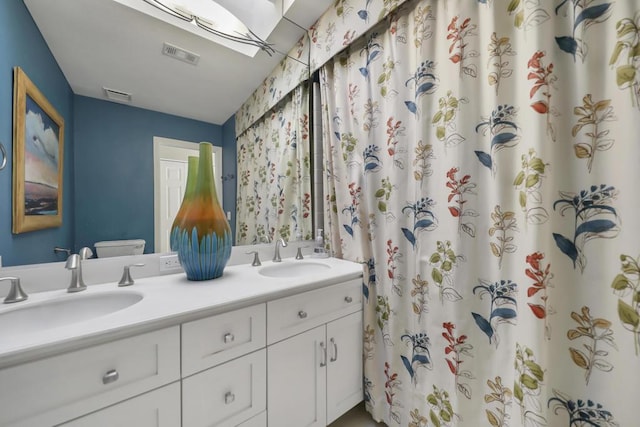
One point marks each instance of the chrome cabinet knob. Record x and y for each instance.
(348, 300)
(110, 377)
(302, 314)
(229, 338)
(229, 398)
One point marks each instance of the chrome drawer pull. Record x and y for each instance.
(335, 350)
(229, 398)
(110, 376)
(348, 300)
(302, 314)
(228, 338)
(323, 355)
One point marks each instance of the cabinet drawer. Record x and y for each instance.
(158, 408)
(226, 395)
(60, 388)
(298, 313)
(217, 339)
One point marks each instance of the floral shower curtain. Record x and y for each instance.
(274, 185)
(482, 163)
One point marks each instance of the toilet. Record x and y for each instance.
(111, 248)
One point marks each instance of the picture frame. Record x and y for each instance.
(38, 147)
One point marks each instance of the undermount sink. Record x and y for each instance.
(294, 269)
(63, 311)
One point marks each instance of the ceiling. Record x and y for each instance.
(117, 44)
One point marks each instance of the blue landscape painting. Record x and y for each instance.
(41, 161)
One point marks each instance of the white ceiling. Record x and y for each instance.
(107, 43)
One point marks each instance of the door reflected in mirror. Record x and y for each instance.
(170, 158)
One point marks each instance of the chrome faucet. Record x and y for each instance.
(74, 263)
(16, 294)
(276, 255)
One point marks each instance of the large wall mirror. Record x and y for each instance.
(109, 166)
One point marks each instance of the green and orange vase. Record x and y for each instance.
(200, 233)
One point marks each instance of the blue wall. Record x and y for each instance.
(22, 45)
(114, 167)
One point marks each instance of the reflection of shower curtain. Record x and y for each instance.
(274, 185)
(482, 164)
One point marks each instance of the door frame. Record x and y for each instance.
(165, 148)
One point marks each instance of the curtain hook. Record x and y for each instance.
(3, 163)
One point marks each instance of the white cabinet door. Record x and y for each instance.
(297, 381)
(158, 408)
(344, 368)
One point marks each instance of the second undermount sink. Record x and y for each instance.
(63, 311)
(294, 269)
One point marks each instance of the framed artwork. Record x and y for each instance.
(38, 141)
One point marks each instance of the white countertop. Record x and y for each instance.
(167, 300)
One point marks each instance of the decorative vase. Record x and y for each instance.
(203, 236)
(192, 175)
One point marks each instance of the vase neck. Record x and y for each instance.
(192, 176)
(206, 186)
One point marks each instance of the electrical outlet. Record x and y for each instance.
(170, 263)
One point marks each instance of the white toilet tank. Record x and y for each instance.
(110, 248)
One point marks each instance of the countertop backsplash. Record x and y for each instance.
(54, 275)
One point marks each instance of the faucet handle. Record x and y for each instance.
(85, 253)
(126, 279)
(72, 262)
(299, 253)
(256, 258)
(16, 294)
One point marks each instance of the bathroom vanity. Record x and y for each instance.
(169, 352)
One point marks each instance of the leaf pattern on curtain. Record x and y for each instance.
(481, 163)
(290, 72)
(274, 185)
(338, 26)
(345, 20)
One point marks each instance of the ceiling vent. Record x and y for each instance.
(181, 54)
(117, 95)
